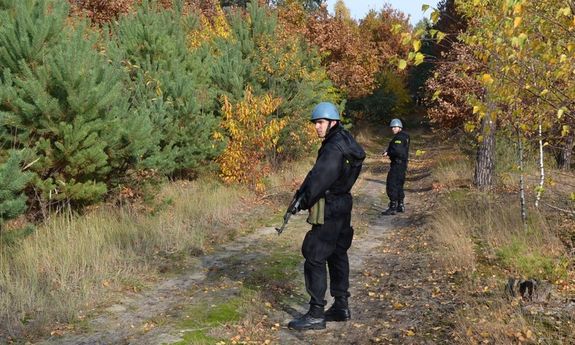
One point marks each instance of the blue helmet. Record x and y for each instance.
(396, 123)
(325, 110)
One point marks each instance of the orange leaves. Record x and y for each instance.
(252, 132)
(213, 24)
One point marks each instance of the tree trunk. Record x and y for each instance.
(541, 168)
(565, 158)
(485, 160)
(522, 181)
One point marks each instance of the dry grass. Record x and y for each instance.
(482, 325)
(470, 226)
(70, 261)
(482, 236)
(455, 241)
(453, 170)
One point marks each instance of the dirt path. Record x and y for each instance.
(397, 295)
(397, 298)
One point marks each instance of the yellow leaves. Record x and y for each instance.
(405, 38)
(398, 306)
(436, 95)
(252, 132)
(487, 79)
(218, 136)
(469, 127)
(560, 112)
(209, 29)
(524, 127)
(565, 130)
(435, 16)
(440, 36)
(517, 22)
(565, 11)
(396, 28)
(416, 45)
(402, 64)
(419, 58)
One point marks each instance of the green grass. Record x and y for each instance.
(279, 269)
(530, 262)
(200, 319)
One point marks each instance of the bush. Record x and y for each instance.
(12, 183)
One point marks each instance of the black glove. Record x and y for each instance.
(295, 206)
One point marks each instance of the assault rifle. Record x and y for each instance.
(292, 209)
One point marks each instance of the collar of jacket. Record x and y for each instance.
(332, 131)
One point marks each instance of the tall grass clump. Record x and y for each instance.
(453, 170)
(472, 227)
(71, 260)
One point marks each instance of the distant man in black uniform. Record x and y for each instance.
(325, 192)
(398, 152)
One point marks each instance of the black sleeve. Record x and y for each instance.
(324, 173)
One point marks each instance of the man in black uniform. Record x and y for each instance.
(398, 152)
(325, 192)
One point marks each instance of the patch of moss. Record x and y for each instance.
(206, 316)
(278, 269)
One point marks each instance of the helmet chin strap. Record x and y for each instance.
(329, 126)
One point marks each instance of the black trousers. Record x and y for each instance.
(328, 243)
(395, 181)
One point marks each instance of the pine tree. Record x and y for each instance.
(171, 84)
(12, 183)
(64, 105)
(28, 30)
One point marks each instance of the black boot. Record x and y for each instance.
(313, 319)
(391, 210)
(401, 206)
(339, 311)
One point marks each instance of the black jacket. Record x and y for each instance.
(398, 149)
(336, 169)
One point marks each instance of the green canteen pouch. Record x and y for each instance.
(316, 213)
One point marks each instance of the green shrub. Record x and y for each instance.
(12, 183)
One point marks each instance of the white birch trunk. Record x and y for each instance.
(521, 180)
(541, 168)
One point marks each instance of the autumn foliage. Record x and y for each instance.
(101, 12)
(252, 131)
(186, 73)
(353, 53)
(449, 107)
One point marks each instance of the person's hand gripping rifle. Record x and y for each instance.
(293, 208)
